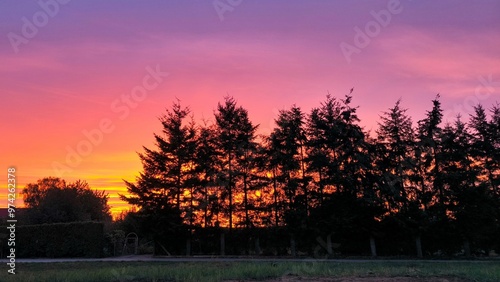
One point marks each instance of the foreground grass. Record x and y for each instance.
(218, 271)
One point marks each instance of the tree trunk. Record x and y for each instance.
(373, 246)
(191, 208)
(329, 248)
(291, 194)
(179, 189)
(293, 251)
(222, 245)
(304, 185)
(418, 245)
(188, 247)
(402, 189)
(205, 216)
(230, 190)
(245, 201)
(257, 246)
(275, 192)
(467, 248)
(320, 187)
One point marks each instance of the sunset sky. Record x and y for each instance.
(70, 68)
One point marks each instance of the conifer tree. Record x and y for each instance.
(427, 158)
(208, 166)
(395, 139)
(287, 144)
(168, 169)
(236, 136)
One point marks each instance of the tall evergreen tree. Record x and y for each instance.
(495, 159)
(458, 176)
(272, 164)
(486, 145)
(262, 205)
(337, 141)
(479, 213)
(427, 157)
(318, 157)
(208, 165)
(324, 141)
(235, 135)
(248, 166)
(429, 205)
(395, 140)
(287, 142)
(167, 170)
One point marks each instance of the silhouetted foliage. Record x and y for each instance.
(52, 200)
(394, 160)
(287, 153)
(235, 140)
(420, 190)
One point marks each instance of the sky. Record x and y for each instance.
(83, 83)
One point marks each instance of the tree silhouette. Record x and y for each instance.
(395, 139)
(168, 170)
(339, 142)
(486, 145)
(428, 151)
(52, 200)
(321, 175)
(287, 152)
(287, 145)
(208, 165)
(235, 136)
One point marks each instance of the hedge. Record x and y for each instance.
(56, 240)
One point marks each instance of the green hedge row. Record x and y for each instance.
(75, 239)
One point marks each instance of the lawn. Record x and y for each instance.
(257, 271)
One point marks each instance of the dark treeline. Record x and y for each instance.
(320, 184)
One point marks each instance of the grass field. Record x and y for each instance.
(255, 271)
